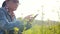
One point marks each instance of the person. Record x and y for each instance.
(7, 17)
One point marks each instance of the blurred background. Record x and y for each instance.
(50, 9)
(48, 15)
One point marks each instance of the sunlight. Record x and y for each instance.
(50, 8)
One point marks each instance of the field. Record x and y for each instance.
(48, 27)
(54, 29)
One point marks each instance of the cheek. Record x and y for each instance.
(13, 6)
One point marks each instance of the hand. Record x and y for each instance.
(29, 18)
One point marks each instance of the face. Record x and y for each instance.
(12, 4)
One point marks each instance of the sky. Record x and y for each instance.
(27, 7)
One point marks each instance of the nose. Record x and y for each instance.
(17, 4)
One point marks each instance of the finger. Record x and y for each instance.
(27, 17)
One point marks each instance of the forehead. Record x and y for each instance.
(13, 0)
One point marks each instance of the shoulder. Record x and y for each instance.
(1, 11)
(1, 8)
